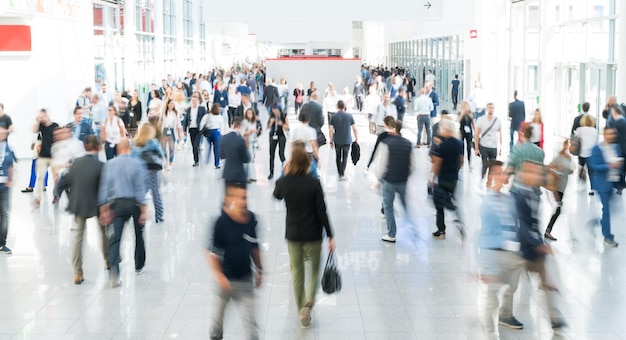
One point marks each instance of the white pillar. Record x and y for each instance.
(130, 46)
(159, 45)
(489, 55)
(180, 66)
(621, 53)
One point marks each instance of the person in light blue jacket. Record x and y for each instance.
(605, 164)
(500, 261)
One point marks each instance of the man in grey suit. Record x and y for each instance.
(235, 151)
(83, 179)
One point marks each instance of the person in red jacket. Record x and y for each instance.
(537, 124)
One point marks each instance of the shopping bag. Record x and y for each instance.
(331, 280)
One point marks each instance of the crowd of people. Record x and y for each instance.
(229, 110)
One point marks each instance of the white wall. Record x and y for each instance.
(340, 72)
(60, 65)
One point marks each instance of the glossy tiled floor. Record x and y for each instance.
(419, 288)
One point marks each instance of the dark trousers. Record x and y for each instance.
(195, 143)
(5, 196)
(280, 142)
(558, 197)
(110, 150)
(455, 99)
(448, 188)
(231, 114)
(469, 141)
(487, 154)
(297, 107)
(359, 103)
(341, 152)
(123, 210)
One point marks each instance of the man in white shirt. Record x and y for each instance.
(307, 135)
(488, 137)
(385, 108)
(330, 103)
(423, 107)
(105, 97)
(430, 78)
(372, 101)
(191, 124)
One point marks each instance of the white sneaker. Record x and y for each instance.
(388, 238)
(169, 168)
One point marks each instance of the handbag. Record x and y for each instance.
(331, 280)
(153, 159)
(321, 139)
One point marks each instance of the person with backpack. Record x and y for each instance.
(148, 148)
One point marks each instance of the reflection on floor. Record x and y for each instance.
(418, 288)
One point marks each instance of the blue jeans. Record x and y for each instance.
(5, 206)
(33, 175)
(389, 195)
(605, 198)
(214, 139)
(110, 150)
(423, 121)
(123, 210)
(512, 142)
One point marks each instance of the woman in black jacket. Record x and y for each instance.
(276, 125)
(306, 219)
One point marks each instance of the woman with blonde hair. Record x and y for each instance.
(466, 129)
(147, 148)
(537, 124)
(306, 222)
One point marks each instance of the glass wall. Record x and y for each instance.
(443, 56)
(109, 58)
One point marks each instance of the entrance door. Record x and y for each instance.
(599, 85)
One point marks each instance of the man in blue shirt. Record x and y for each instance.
(80, 128)
(399, 102)
(454, 90)
(234, 244)
(430, 92)
(500, 261)
(121, 196)
(7, 158)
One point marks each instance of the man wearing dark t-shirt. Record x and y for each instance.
(340, 137)
(454, 90)
(447, 160)
(5, 120)
(45, 127)
(234, 244)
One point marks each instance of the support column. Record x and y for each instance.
(130, 47)
(621, 53)
(159, 45)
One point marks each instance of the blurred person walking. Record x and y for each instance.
(306, 221)
(121, 196)
(534, 250)
(500, 260)
(233, 245)
(447, 160)
(559, 170)
(605, 163)
(7, 159)
(147, 148)
(83, 182)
